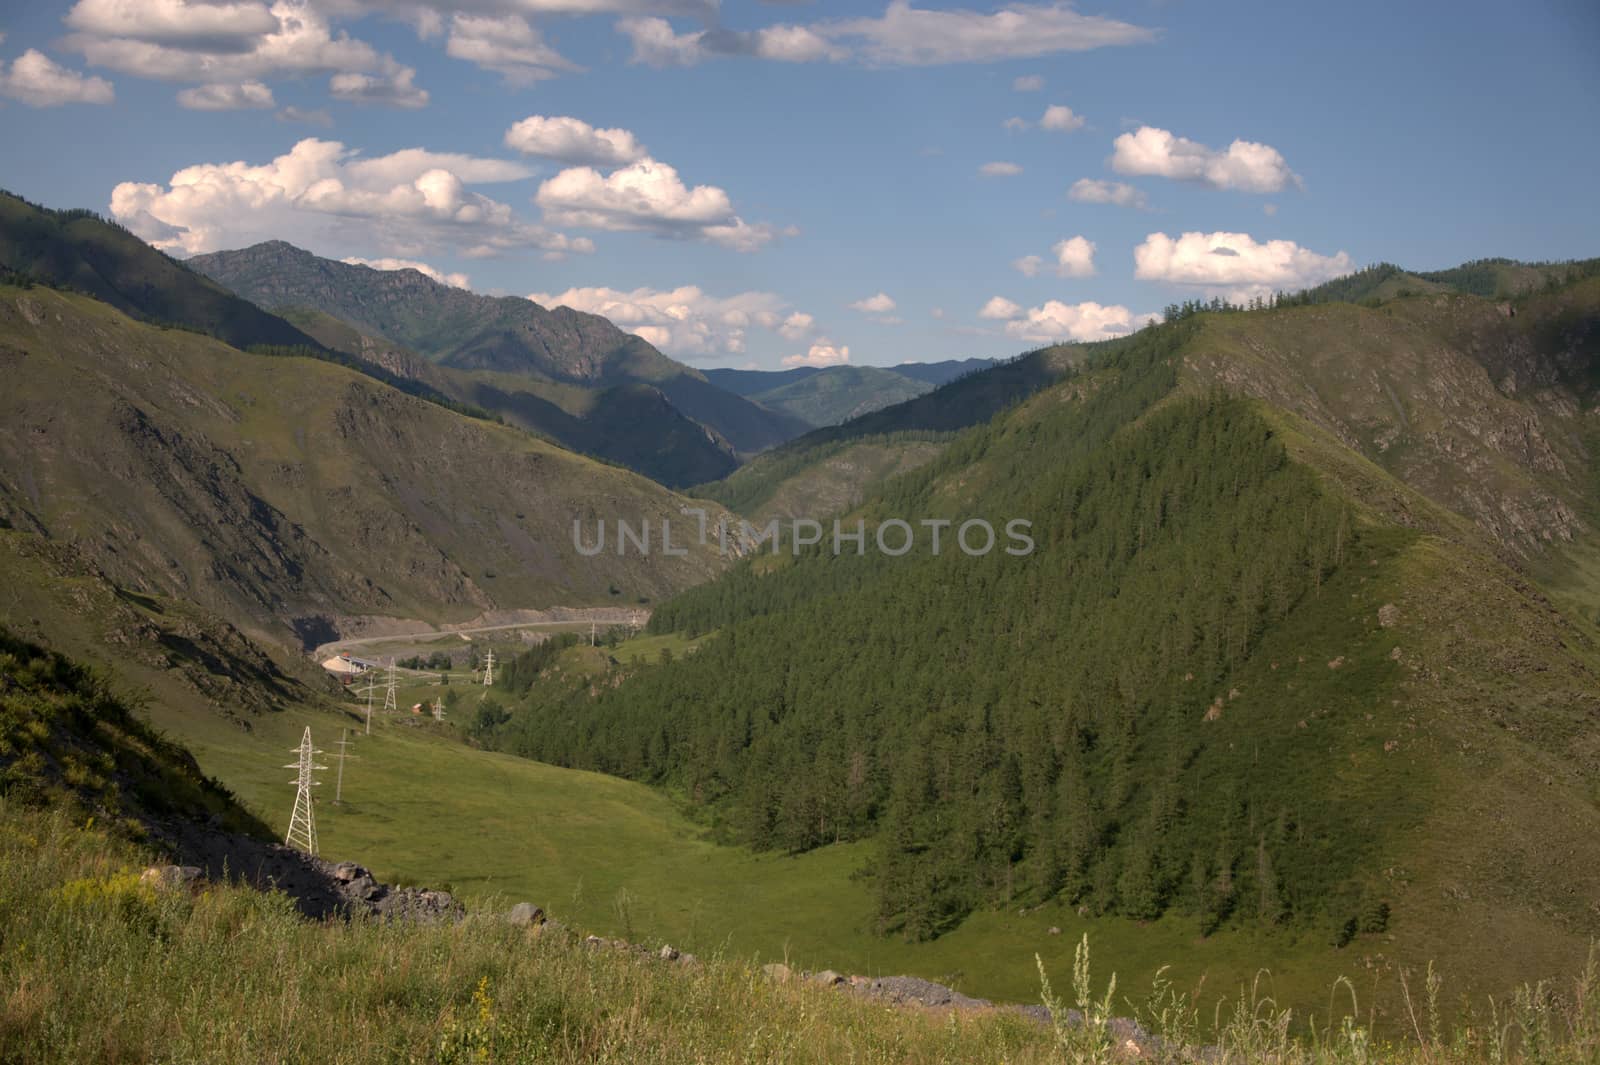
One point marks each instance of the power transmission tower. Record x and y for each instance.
(388, 695)
(302, 823)
(438, 709)
(591, 634)
(488, 669)
(372, 686)
(338, 787)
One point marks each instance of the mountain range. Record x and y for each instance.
(571, 376)
(1305, 654)
(829, 395)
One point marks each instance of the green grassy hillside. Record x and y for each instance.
(285, 493)
(823, 478)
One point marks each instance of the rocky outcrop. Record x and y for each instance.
(320, 889)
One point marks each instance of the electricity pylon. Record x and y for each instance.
(372, 686)
(303, 823)
(388, 694)
(438, 709)
(488, 670)
(338, 786)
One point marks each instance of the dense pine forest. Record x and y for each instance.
(1052, 742)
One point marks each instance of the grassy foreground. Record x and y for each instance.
(96, 965)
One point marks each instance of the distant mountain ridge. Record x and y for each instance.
(829, 395)
(450, 326)
(512, 355)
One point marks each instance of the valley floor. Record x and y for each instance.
(619, 859)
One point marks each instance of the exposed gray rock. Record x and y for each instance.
(348, 871)
(526, 913)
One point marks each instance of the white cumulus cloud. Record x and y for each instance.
(572, 140)
(1056, 321)
(507, 45)
(999, 169)
(183, 40)
(911, 36)
(455, 280)
(221, 96)
(648, 196)
(1028, 83)
(1028, 265)
(320, 193)
(902, 36)
(1118, 193)
(657, 44)
(687, 321)
(1243, 165)
(1074, 257)
(878, 304)
(218, 27)
(1235, 264)
(1000, 309)
(1061, 119)
(797, 326)
(38, 81)
(823, 352)
(391, 88)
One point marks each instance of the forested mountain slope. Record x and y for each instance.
(283, 493)
(1248, 677)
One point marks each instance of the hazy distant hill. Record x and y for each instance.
(940, 373)
(821, 396)
(892, 440)
(824, 396)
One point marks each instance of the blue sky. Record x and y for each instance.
(780, 184)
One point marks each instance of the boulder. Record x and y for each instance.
(173, 876)
(828, 978)
(777, 972)
(526, 913)
(668, 953)
(345, 872)
(363, 887)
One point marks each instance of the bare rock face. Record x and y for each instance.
(1476, 410)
